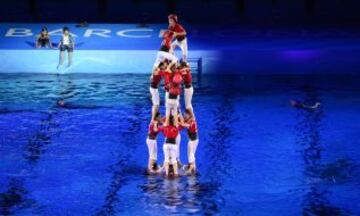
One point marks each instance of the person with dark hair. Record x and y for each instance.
(151, 143)
(43, 40)
(67, 43)
(179, 34)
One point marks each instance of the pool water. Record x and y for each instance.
(257, 155)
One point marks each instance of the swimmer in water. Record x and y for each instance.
(151, 143)
(298, 104)
(66, 105)
(67, 43)
(170, 130)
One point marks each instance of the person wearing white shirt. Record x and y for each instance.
(66, 44)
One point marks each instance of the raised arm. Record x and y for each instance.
(60, 43)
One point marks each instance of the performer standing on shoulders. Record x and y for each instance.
(155, 80)
(188, 88)
(173, 90)
(179, 34)
(164, 52)
(170, 130)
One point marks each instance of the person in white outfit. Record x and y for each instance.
(67, 43)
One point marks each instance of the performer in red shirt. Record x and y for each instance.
(170, 130)
(152, 144)
(188, 87)
(155, 80)
(173, 91)
(193, 141)
(164, 52)
(179, 34)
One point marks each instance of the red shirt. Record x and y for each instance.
(156, 79)
(166, 42)
(178, 29)
(192, 130)
(170, 131)
(151, 133)
(193, 126)
(186, 74)
(167, 79)
(175, 88)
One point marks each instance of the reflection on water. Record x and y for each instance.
(179, 195)
(120, 170)
(340, 171)
(48, 127)
(92, 151)
(15, 197)
(37, 143)
(200, 194)
(309, 129)
(316, 203)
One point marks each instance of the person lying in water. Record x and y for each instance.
(67, 105)
(301, 105)
(9, 111)
(170, 129)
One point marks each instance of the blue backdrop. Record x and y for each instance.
(129, 48)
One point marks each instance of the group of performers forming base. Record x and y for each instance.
(176, 76)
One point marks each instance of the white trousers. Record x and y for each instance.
(155, 96)
(170, 153)
(192, 146)
(183, 46)
(178, 141)
(152, 147)
(188, 94)
(171, 104)
(161, 56)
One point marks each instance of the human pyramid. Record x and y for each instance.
(175, 75)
